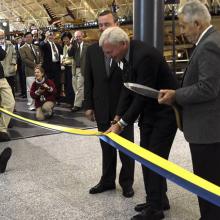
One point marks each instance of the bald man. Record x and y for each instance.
(78, 52)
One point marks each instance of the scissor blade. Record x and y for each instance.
(142, 90)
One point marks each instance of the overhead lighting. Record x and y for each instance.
(4, 24)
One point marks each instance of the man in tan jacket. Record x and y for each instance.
(6, 101)
(30, 56)
(10, 60)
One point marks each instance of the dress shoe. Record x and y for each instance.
(99, 188)
(68, 105)
(11, 123)
(49, 114)
(75, 109)
(149, 213)
(31, 109)
(140, 207)
(4, 136)
(4, 157)
(128, 193)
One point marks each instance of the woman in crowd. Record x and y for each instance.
(43, 91)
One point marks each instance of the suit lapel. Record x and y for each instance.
(211, 30)
(101, 58)
(113, 68)
(83, 50)
(28, 49)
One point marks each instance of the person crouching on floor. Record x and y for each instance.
(43, 91)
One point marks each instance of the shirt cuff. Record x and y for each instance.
(123, 122)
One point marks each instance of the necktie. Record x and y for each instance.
(125, 70)
(107, 65)
(79, 49)
(33, 52)
(55, 51)
(77, 55)
(113, 65)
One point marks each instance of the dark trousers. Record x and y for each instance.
(22, 79)
(109, 161)
(68, 86)
(206, 163)
(54, 73)
(157, 138)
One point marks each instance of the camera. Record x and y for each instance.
(42, 98)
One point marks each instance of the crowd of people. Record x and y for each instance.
(93, 79)
(62, 56)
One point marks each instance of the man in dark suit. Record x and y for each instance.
(143, 64)
(51, 60)
(103, 83)
(199, 97)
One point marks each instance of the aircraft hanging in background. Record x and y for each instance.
(69, 13)
(114, 7)
(60, 21)
(53, 18)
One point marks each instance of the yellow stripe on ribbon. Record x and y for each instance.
(177, 174)
(165, 164)
(53, 127)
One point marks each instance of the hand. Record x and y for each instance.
(166, 96)
(40, 90)
(45, 86)
(115, 128)
(72, 40)
(116, 119)
(90, 114)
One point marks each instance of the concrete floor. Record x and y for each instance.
(48, 177)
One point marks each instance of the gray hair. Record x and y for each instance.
(114, 35)
(195, 11)
(79, 31)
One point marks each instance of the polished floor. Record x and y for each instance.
(48, 177)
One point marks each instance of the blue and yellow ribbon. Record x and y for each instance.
(165, 168)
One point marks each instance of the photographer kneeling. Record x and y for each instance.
(43, 91)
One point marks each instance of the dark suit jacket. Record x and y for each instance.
(2, 57)
(101, 92)
(19, 61)
(147, 67)
(200, 95)
(47, 55)
(28, 58)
